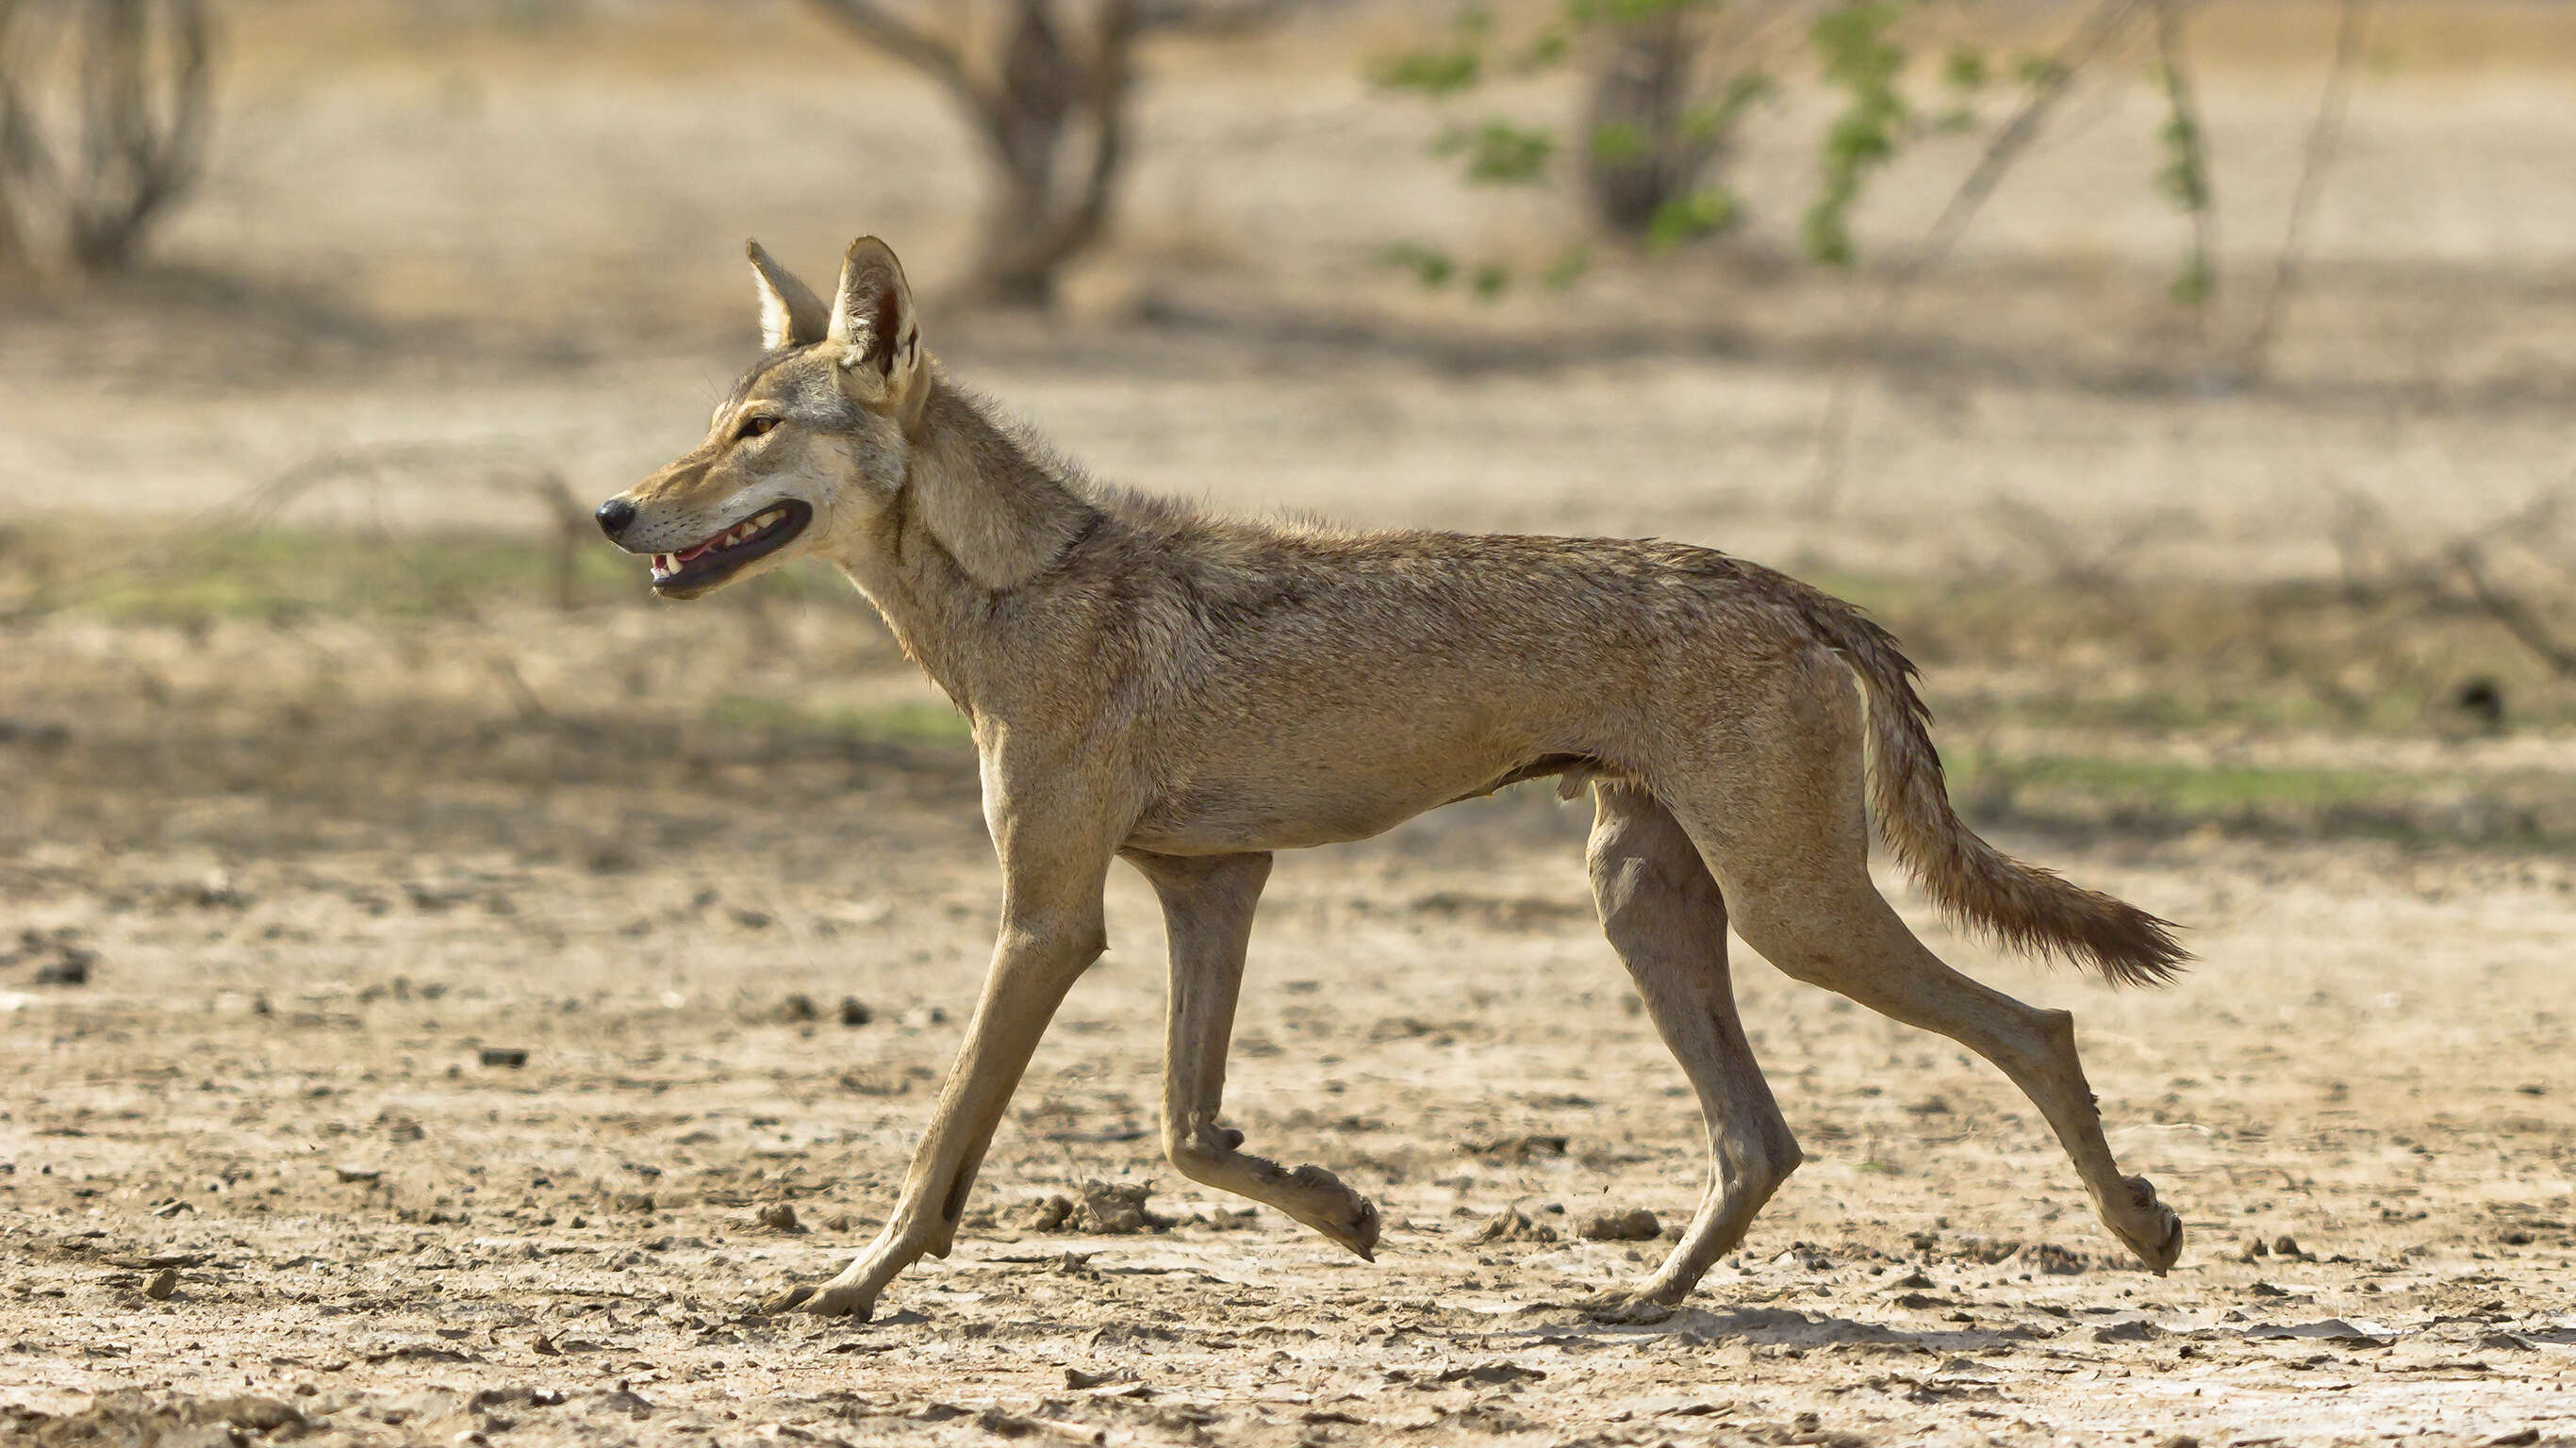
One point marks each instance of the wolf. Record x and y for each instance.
(1189, 693)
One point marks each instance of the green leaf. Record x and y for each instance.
(1854, 44)
(1429, 265)
(1435, 73)
(1824, 235)
(2193, 285)
(1700, 123)
(1618, 141)
(2037, 70)
(1499, 153)
(1569, 267)
(1691, 216)
(1548, 49)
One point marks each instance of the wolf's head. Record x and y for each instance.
(815, 440)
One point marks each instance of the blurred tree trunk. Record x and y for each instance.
(104, 110)
(1045, 86)
(1670, 81)
(1057, 129)
(144, 111)
(14, 263)
(1637, 157)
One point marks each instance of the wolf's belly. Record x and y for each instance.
(1293, 810)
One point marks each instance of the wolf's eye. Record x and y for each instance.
(755, 427)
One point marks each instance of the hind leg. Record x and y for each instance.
(1786, 835)
(1872, 958)
(1664, 916)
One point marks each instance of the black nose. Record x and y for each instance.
(614, 515)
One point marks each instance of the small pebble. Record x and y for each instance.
(163, 1286)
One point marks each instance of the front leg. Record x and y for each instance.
(1207, 916)
(1051, 933)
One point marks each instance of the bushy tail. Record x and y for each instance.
(2026, 907)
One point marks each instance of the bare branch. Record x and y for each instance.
(915, 47)
(2199, 192)
(2517, 616)
(1200, 17)
(2325, 136)
(1107, 76)
(2108, 19)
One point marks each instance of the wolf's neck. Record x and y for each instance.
(980, 521)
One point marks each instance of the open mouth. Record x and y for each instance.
(712, 561)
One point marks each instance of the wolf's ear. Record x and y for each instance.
(880, 341)
(790, 314)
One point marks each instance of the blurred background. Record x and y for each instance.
(2186, 382)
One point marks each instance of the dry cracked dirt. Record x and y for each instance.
(490, 1120)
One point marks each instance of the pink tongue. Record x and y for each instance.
(696, 552)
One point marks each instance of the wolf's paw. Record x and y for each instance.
(1630, 1306)
(2149, 1227)
(838, 1300)
(1340, 1214)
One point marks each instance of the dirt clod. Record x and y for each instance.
(1044, 1214)
(1529, 1147)
(2053, 1259)
(1512, 1224)
(163, 1286)
(1633, 1225)
(855, 1012)
(58, 955)
(1116, 1209)
(510, 1056)
(779, 1217)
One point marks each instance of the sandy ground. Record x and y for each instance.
(276, 1169)
(275, 1096)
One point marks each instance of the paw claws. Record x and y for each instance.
(1363, 1238)
(820, 1302)
(1635, 1309)
(787, 1301)
(2161, 1252)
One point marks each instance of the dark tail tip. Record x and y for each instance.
(2128, 946)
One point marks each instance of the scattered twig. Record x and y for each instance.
(573, 533)
(2071, 562)
(2513, 612)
